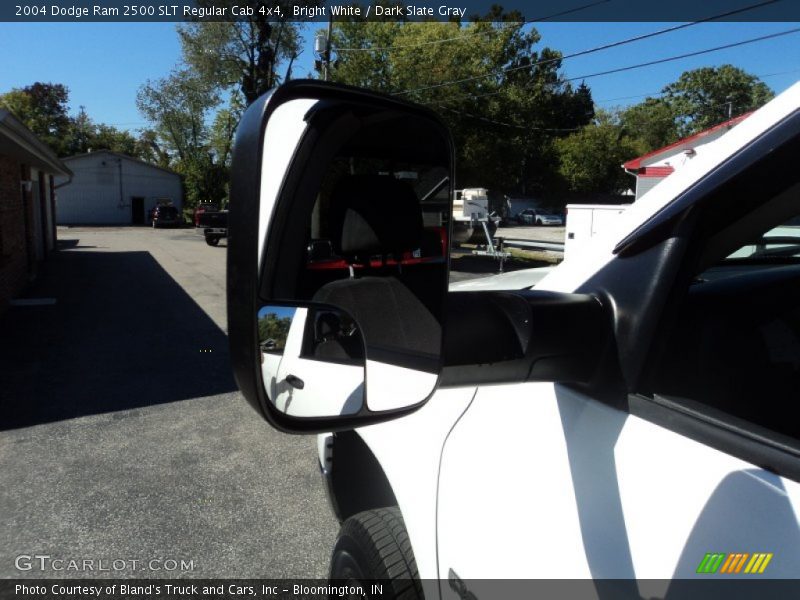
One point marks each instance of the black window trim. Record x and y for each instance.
(742, 439)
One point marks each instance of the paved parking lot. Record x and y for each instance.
(532, 232)
(122, 435)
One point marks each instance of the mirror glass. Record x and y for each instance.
(358, 223)
(312, 360)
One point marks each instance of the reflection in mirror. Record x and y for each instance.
(360, 222)
(312, 360)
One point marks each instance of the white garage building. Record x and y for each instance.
(652, 168)
(108, 188)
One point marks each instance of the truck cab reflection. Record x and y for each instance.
(312, 360)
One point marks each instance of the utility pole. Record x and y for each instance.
(328, 48)
(322, 48)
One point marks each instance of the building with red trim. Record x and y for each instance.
(651, 168)
(27, 205)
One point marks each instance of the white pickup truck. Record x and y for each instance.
(627, 421)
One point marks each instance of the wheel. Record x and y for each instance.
(539, 222)
(211, 240)
(373, 545)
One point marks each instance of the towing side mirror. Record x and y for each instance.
(336, 297)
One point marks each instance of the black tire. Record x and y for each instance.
(374, 545)
(538, 222)
(211, 240)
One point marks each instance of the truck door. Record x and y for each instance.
(694, 474)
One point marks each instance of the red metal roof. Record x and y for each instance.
(636, 163)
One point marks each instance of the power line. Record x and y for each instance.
(687, 55)
(655, 62)
(503, 124)
(569, 11)
(661, 93)
(588, 51)
(417, 45)
(470, 34)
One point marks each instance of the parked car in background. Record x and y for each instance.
(166, 216)
(202, 208)
(535, 216)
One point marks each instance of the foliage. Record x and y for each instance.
(510, 102)
(84, 135)
(42, 108)
(651, 123)
(591, 159)
(271, 327)
(192, 129)
(242, 54)
(698, 100)
(179, 105)
(708, 96)
(151, 150)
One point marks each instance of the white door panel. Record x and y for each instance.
(328, 388)
(506, 503)
(540, 482)
(409, 450)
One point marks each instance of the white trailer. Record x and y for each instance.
(471, 221)
(471, 204)
(584, 221)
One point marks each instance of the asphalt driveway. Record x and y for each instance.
(122, 435)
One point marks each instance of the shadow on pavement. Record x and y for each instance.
(123, 334)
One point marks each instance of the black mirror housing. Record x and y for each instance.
(528, 335)
(372, 150)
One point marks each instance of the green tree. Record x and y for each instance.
(150, 149)
(178, 106)
(85, 135)
(42, 108)
(652, 124)
(116, 140)
(223, 129)
(590, 160)
(241, 55)
(507, 106)
(705, 97)
(270, 327)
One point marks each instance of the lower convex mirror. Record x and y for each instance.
(312, 360)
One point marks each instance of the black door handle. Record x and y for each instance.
(295, 382)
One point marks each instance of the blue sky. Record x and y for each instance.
(104, 64)
(280, 311)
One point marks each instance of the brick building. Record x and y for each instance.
(27, 205)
